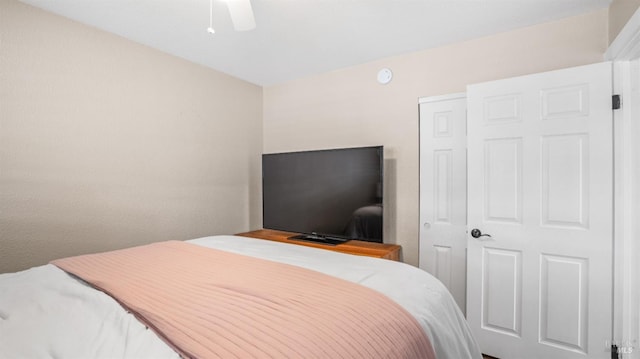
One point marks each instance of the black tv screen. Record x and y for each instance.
(328, 195)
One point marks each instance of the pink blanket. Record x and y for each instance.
(207, 303)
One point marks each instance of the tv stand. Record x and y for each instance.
(361, 248)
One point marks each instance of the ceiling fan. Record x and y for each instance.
(241, 15)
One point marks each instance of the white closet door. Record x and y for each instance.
(540, 184)
(443, 192)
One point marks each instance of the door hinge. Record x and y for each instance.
(615, 102)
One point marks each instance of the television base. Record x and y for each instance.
(318, 239)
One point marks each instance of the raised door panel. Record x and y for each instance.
(565, 180)
(443, 185)
(565, 102)
(443, 265)
(503, 180)
(563, 302)
(502, 291)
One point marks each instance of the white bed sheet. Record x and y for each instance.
(45, 313)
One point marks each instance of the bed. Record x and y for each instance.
(46, 312)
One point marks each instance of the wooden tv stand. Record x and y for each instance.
(361, 248)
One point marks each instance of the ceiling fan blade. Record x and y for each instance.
(241, 15)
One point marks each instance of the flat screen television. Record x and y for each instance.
(329, 196)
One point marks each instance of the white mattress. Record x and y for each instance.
(45, 313)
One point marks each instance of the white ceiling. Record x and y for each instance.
(297, 38)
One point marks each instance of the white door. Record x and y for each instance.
(443, 191)
(540, 184)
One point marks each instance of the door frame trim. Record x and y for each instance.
(624, 51)
(439, 98)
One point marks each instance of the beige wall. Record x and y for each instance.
(349, 108)
(620, 11)
(105, 143)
